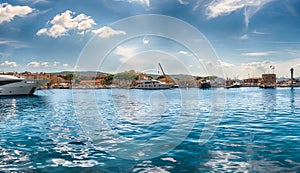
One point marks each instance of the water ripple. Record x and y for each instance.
(259, 131)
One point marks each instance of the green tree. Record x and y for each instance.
(126, 75)
(108, 79)
(160, 77)
(69, 76)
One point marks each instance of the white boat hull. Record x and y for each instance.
(24, 87)
(153, 85)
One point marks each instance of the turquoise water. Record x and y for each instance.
(240, 130)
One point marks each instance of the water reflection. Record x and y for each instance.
(292, 100)
(8, 108)
(269, 100)
(222, 161)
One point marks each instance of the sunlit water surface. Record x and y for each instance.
(258, 131)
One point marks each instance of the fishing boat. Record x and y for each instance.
(12, 85)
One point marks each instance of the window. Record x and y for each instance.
(9, 82)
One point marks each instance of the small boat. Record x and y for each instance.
(12, 85)
(267, 86)
(289, 85)
(152, 84)
(205, 84)
(234, 85)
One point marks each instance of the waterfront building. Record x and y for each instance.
(268, 78)
(268, 81)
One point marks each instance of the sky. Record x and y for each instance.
(229, 38)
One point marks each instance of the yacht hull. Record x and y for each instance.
(24, 87)
(154, 87)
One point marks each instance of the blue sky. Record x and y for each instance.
(248, 36)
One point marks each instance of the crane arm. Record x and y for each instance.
(162, 70)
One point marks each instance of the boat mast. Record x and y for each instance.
(162, 70)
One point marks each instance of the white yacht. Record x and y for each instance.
(153, 84)
(12, 85)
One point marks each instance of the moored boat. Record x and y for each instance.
(153, 84)
(12, 85)
(267, 86)
(234, 85)
(205, 84)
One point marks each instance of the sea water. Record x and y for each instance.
(178, 130)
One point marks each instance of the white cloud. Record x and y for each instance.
(8, 64)
(146, 41)
(282, 68)
(9, 12)
(257, 68)
(57, 31)
(45, 64)
(64, 22)
(244, 37)
(252, 8)
(13, 43)
(258, 53)
(34, 64)
(185, 53)
(35, 1)
(183, 2)
(106, 32)
(5, 42)
(54, 64)
(259, 33)
(142, 2)
(65, 65)
(125, 52)
(218, 64)
(86, 24)
(42, 31)
(217, 8)
(198, 3)
(225, 64)
(244, 70)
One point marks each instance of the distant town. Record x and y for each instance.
(98, 80)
